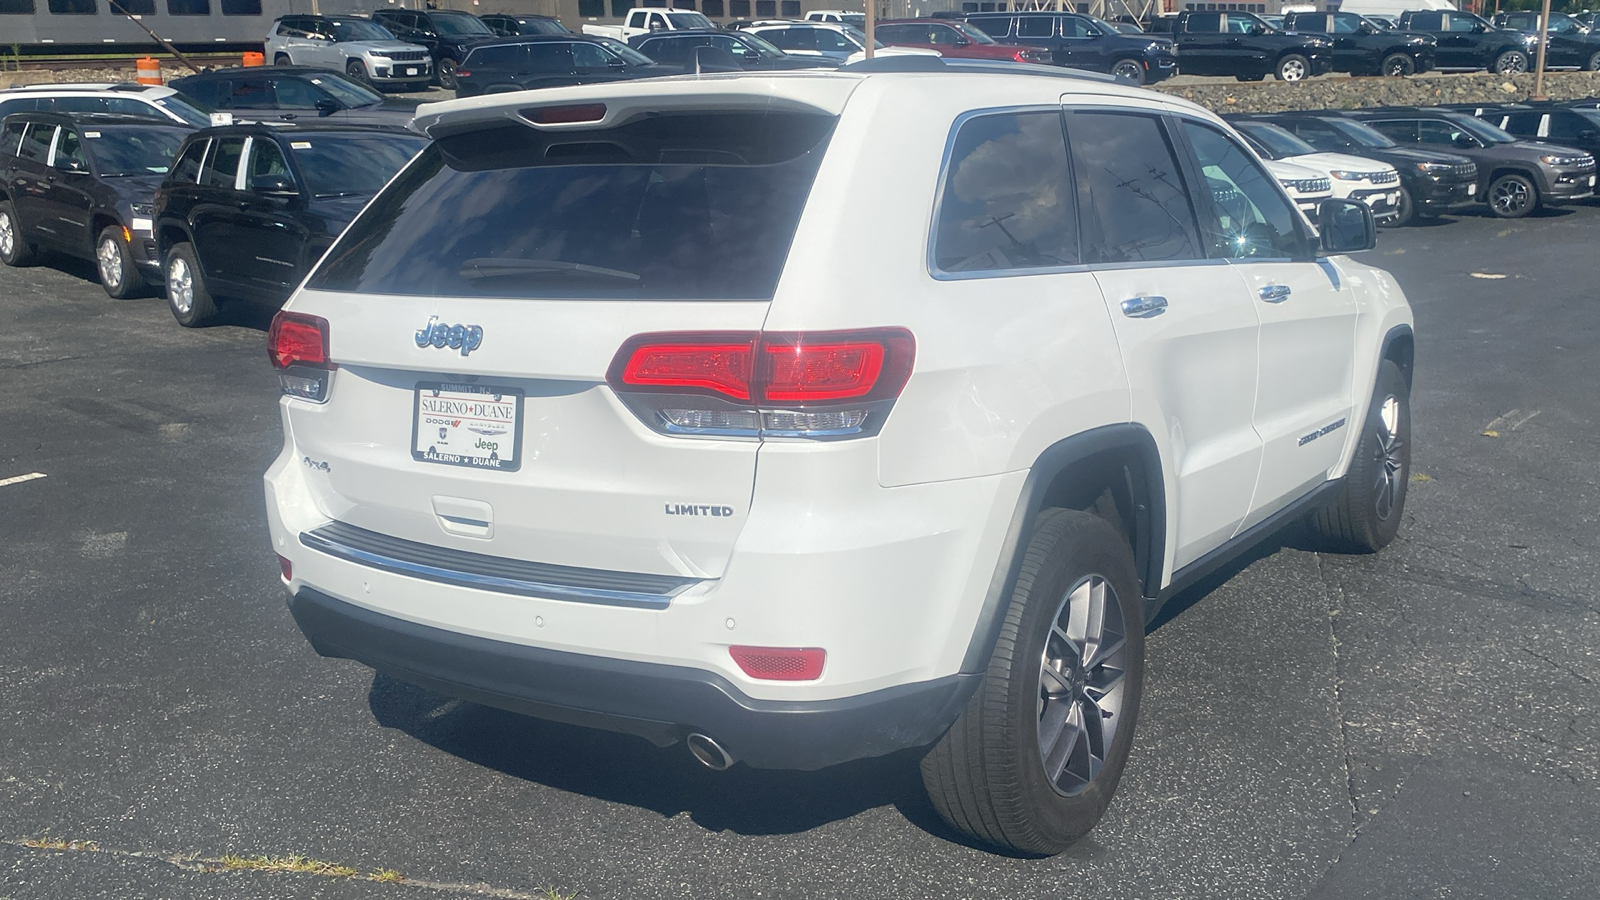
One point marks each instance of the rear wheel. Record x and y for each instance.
(357, 70)
(282, 59)
(118, 273)
(1513, 196)
(1129, 70)
(1365, 516)
(14, 251)
(1397, 65)
(1033, 761)
(1511, 62)
(1593, 65)
(1404, 211)
(1294, 67)
(447, 74)
(191, 304)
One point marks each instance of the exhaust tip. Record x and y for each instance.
(708, 752)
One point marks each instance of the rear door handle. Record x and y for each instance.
(1144, 307)
(1274, 293)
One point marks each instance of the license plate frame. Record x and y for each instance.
(476, 417)
(412, 70)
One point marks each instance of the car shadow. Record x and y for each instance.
(667, 781)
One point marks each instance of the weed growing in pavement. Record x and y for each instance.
(551, 893)
(51, 843)
(388, 875)
(301, 864)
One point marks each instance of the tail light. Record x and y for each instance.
(463, 73)
(764, 384)
(298, 346)
(780, 663)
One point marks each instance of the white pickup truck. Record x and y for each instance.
(643, 20)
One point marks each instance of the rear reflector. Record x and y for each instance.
(298, 346)
(561, 115)
(287, 568)
(780, 663)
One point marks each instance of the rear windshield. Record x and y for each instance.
(694, 206)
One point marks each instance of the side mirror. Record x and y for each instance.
(328, 106)
(962, 42)
(1367, 28)
(1479, 27)
(1347, 226)
(274, 185)
(76, 166)
(1464, 142)
(1588, 135)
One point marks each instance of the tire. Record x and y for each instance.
(1512, 196)
(447, 74)
(14, 249)
(987, 776)
(1366, 515)
(1593, 65)
(114, 259)
(1130, 71)
(1511, 62)
(282, 59)
(1250, 77)
(191, 304)
(1404, 210)
(1293, 67)
(357, 70)
(1397, 65)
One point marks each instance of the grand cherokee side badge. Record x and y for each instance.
(465, 338)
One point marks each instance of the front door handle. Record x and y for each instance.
(1274, 293)
(1144, 307)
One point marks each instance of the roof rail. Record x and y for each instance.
(919, 63)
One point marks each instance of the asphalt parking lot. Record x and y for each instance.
(1423, 723)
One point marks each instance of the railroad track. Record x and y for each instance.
(110, 61)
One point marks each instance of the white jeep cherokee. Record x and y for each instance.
(813, 416)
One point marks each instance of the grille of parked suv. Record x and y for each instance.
(1309, 185)
(404, 55)
(1586, 162)
(1384, 177)
(493, 573)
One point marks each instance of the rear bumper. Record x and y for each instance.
(662, 703)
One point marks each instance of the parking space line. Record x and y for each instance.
(18, 479)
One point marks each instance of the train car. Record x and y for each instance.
(67, 27)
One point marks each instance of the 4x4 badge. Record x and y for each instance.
(465, 338)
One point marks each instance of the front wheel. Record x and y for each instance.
(1513, 196)
(1129, 70)
(112, 256)
(447, 74)
(357, 70)
(1294, 67)
(191, 304)
(1405, 210)
(282, 59)
(1365, 516)
(1398, 65)
(1511, 62)
(1033, 761)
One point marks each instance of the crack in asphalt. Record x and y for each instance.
(1561, 666)
(1338, 691)
(208, 865)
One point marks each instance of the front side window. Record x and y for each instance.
(1247, 216)
(1007, 201)
(1401, 131)
(550, 58)
(1435, 131)
(1135, 204)
(589, 56)
(266, 159)
(223, 166)
(187, 169)
(696, 206)
(499, 56)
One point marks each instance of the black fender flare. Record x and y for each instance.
(1151, 532)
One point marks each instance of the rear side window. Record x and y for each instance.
(1007, 201)
(993, 26)
(1136, 206)
(223, 166)
(1523, 123)
(187, 168)
(1203, 23)
(1035, 26)
(500, 56)
(695, 206)
(36, 143)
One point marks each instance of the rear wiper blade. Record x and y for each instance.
(498, 267)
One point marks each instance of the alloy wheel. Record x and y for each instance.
(109, 256)
(180, 286)
(1293, 70)
(1510, 197)
(1081, 674)
(1127, 70)
(8, 235)
(1389, 457)
(1513, 65)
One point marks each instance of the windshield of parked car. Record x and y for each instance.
(1361, 135)
(1104, 26)
(133, 151)
(682, 20)
(344, 165)
(459, 23)
(359, 30)
(350, 93)
(858, 36)
(760, 44)
(970, 33)
(628, 54)
(192, 111)
(1479, 129)
(698, 206)
(1278, 143)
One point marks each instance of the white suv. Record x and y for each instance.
(124, 99)
(810, 417)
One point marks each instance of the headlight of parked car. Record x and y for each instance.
(1557, 159)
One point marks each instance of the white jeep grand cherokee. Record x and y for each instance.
(813, 416)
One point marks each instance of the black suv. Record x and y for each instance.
(525, 63)
(1083, 42)
(1571, 42)
(81, 184)
(447, 34)
(1361, 47)
(1467, 41)
(1431, 181)
(1242, 45)
(1515, 177)
(1571, 126)
(294, 94)
(745, 51)
(507, 25)
(247, 209)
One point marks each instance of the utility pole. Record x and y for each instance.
(1544, 40)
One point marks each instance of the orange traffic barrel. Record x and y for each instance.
(149, 71)
(255, 59)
